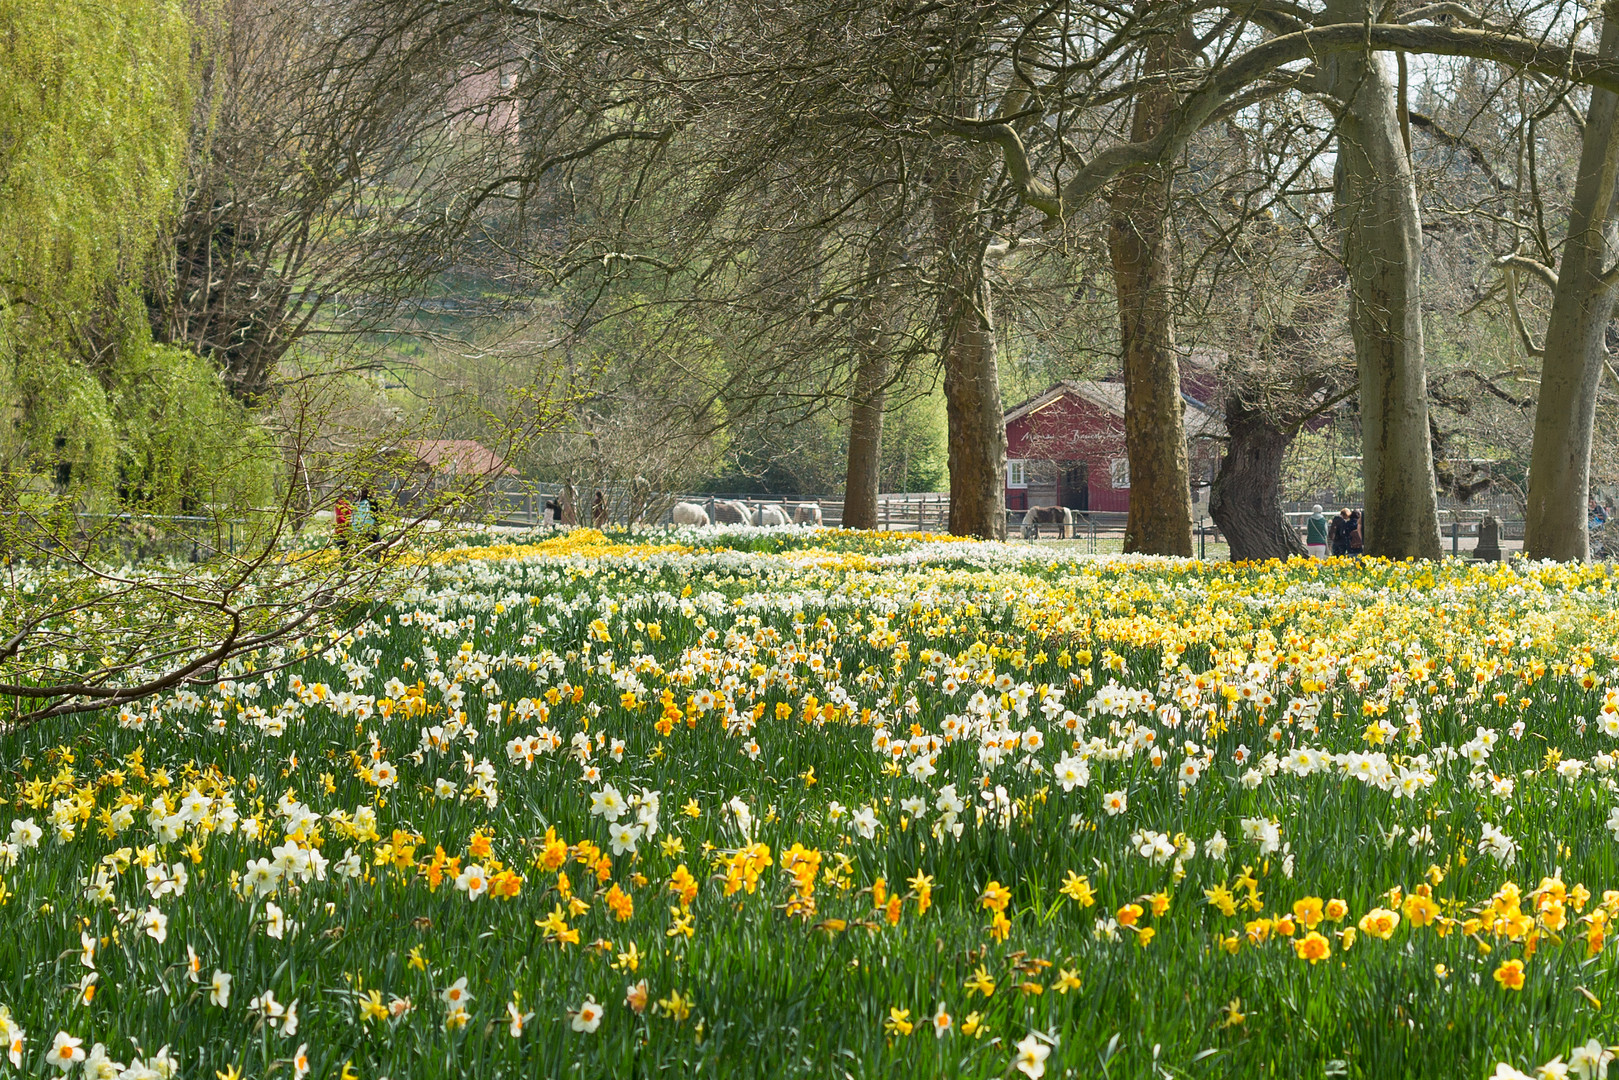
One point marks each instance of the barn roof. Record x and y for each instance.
(1202, 422)
(465, 457)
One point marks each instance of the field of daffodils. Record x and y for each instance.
(722, 803)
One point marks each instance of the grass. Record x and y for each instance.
(781, 978)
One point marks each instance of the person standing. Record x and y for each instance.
(1357, 536)
(342, 515)
(1315, 533)
(365, 519)
(1338, 533)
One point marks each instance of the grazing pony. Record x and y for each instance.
(686, 513)
(1037, 516)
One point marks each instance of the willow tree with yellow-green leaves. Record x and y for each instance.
(93, 143)
(94, 113)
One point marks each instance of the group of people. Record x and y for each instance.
(351, 519)
(1344, 534)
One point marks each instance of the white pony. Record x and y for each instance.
(686, 513)
(731, 512)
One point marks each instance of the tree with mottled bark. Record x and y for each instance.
(1380, 232)
(1160, 517)
(972, 390)
(1294, 370)
(1575, 350)
(1380, 227)
(868, 401)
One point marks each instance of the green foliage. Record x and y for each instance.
(182, 440)
(62, 418)
(634, 395)
(1323, 460)
(93, 121)
(154, 430)
(93, 134)
(806, 453)
(915, 457)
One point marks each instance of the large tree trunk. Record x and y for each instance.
(1245, 500)
(1571, 370)
(1382, 253)
(873, 368)
(866, 431)
(1160, 520)
(972, 391)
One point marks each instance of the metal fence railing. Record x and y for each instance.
(200, 537)
(132, 537)
(1458, 526)
(526, 506)
(1459, 531)
(523, 504)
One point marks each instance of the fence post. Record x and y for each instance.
(1455, 537)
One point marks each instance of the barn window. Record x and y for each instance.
(1119, 472)
(1016, 477)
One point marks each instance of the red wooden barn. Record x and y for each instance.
(1065, 447)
